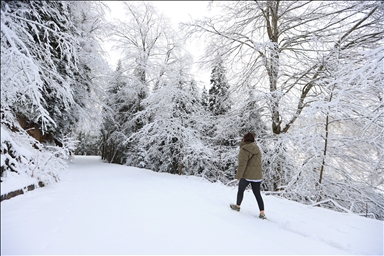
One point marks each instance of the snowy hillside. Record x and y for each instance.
(100, 208)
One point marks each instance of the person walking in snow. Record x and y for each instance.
(249, 171)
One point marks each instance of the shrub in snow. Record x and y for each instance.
(25, 161)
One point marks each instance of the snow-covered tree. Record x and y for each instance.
(123, 101)
(92, 69)
(204, 98)
(30, 72)
(32, 44)
(87, 144)
(169, 140)
(219, 102)
(148, 45)
(145, 39)
(40, 69)
(115, 115)
(342, 150)
(138, 38)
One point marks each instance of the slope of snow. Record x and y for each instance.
(100, 208)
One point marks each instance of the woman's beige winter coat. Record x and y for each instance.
(249, 162)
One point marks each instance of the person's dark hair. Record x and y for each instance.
(249, 137)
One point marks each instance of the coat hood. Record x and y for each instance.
(250, 147)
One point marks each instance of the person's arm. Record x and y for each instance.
(243, 159)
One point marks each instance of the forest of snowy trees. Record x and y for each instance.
(307, 77)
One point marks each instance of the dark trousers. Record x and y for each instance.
(256, 191)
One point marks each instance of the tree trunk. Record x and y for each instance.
(325, 148)
(325, 142)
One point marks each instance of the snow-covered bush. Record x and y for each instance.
(25, 161)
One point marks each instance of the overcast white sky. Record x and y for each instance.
(177, 11)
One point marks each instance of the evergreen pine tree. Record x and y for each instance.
(219, 102)
(169, 140)
(205, 98)
(114, 116)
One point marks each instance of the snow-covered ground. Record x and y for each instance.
(100, 208)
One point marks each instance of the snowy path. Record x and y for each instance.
(100, 208)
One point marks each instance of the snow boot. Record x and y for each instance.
(234, 207)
